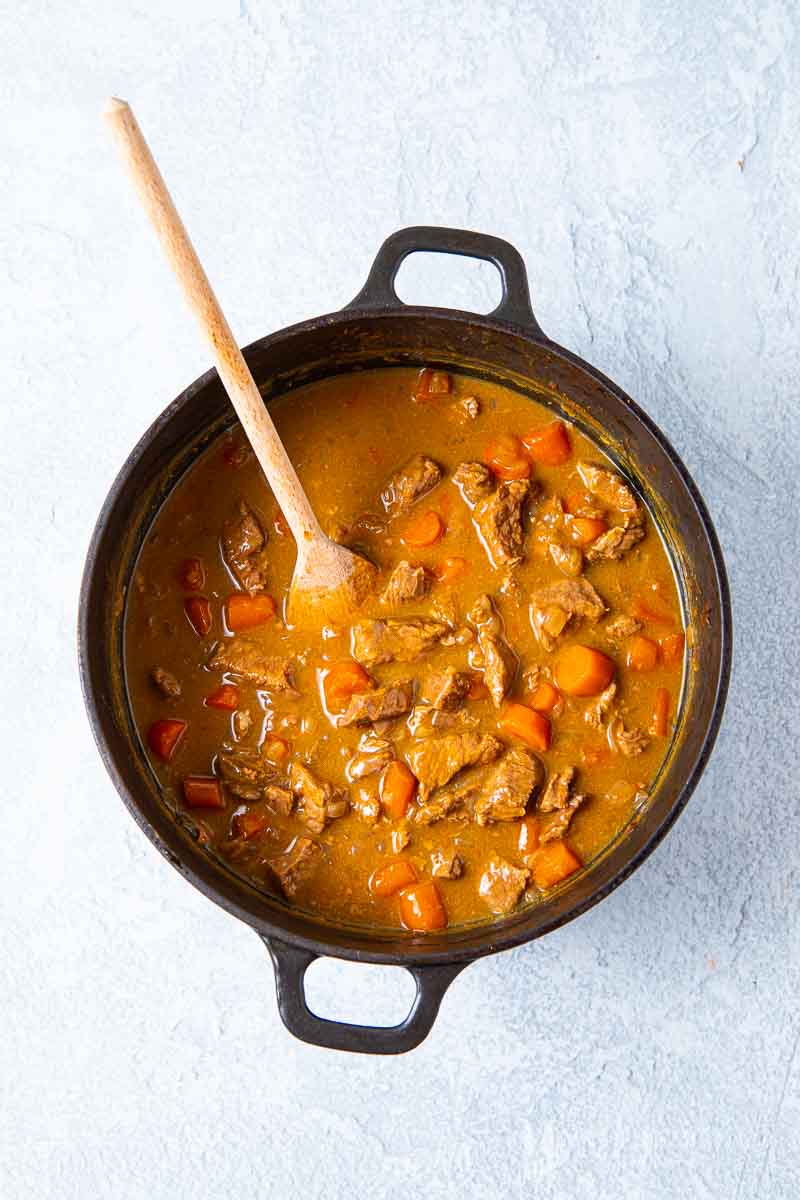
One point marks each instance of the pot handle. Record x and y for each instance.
(291, 964)
(515, 305)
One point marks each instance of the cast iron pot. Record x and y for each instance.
(506, 346)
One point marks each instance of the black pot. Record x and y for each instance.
(376, 329)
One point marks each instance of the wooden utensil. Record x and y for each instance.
(329, 580)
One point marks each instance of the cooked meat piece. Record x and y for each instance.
(425, 720)
(448, 802)
(418, 477)
(474, 481)
(245, 658)
(597, 712)
(279, 798)
(446, 688)
(243, 546)
(467, 408)
(504, 795)
(610, 488)
(242, 721)
(246, 773)
(435, 760)
(367, 806)
(446, 864)
(319, 800)
(568, 559)
(499, 520)
(502, 884)
(398, 840)
(556, 794)
(556, 823)
(554, 606)
(620, 628)
(533, 676)
(611, 546)
(166, 683)
(494, 656)
(627, 741)
(395, 639)
(296, 866)
(405, 583)
(381, 704)
(373, 754)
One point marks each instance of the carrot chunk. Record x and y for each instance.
(641, 653)
(585, 530)
(247, 612)
(529, 831)
(519, 721)
(546, 697)
(660, 723)
(203, 791)
(192, 575)
(553, 863)
(423, 529)
(506, 457)
(421, 908)
(398, 785)
(226, 696)
(583, 671)
(198, 611)
(163, 737)
(672, 648)
(392, 877)
(432, 383)
(250, 824)
(343, 680)
(549, 446)
(450, 569)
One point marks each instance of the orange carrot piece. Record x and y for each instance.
(672, 648)
(226, 696)
(343, 680)
(397, 788)
(529, 831)
(450, 569)
(506, 457)
(546, 697)
(553, 863)
(549, 446)
(163, 737)
(392, 877)
(250, 824)
(423, 529)
(660, 723)
(248, 612)
(529, 726)
(585, 530)
(421, 908)
(641, 653)
(203, 791)
(276, 749)
(432, 383)
(192, 575)
(198, 611)
(583, 671)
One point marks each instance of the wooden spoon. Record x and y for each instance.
(329, 581)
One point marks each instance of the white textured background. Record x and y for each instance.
(648, 1050)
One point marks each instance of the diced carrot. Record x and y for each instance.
(198, 610)
(248, 612)
(585, 530)
(506, 458)
(226, 696)
(672, 648)
(546, 697)
(192, 575)
(398, 785)
(549, 446)
(421, 908)
(432, 383)
(203, 791)
(276, 749)
(392, 877)
(250, 824)
(641, 653)
(553, 863)
(583, 671)
(477, 689)
(529, 831)
(660, 723)
(652, 607)
(343, 680)
(423, 529)
(450, 569)
(163, 737)
(519, 721)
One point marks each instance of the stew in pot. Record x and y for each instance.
(482, 728)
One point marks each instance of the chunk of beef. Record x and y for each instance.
(295, 866)
(621, 628)
(615, 542)
(367, 805)
(597, 712)
(246, 773)
(467, 408)
(435, 760)
(555, 824)
(610, 488)
(493, 656)
(629, 742)
(568, 559)
(446, 864)
(243, 546)
(499, 521)
(395, 639)
(412, 481)
(505, 793)
(280, 799)
(556, 794)
(554, 606)
(405, 583)
(319, 801)
(425, 720)
(398, 840)
(244, 657)
(502, 884)
(448, 802)
(381, 704)
(166, 683)
(445, 688)
(373, 754)
(474, 481)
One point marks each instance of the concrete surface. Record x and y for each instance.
(643, 157)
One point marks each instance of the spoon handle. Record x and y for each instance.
(233, 370)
